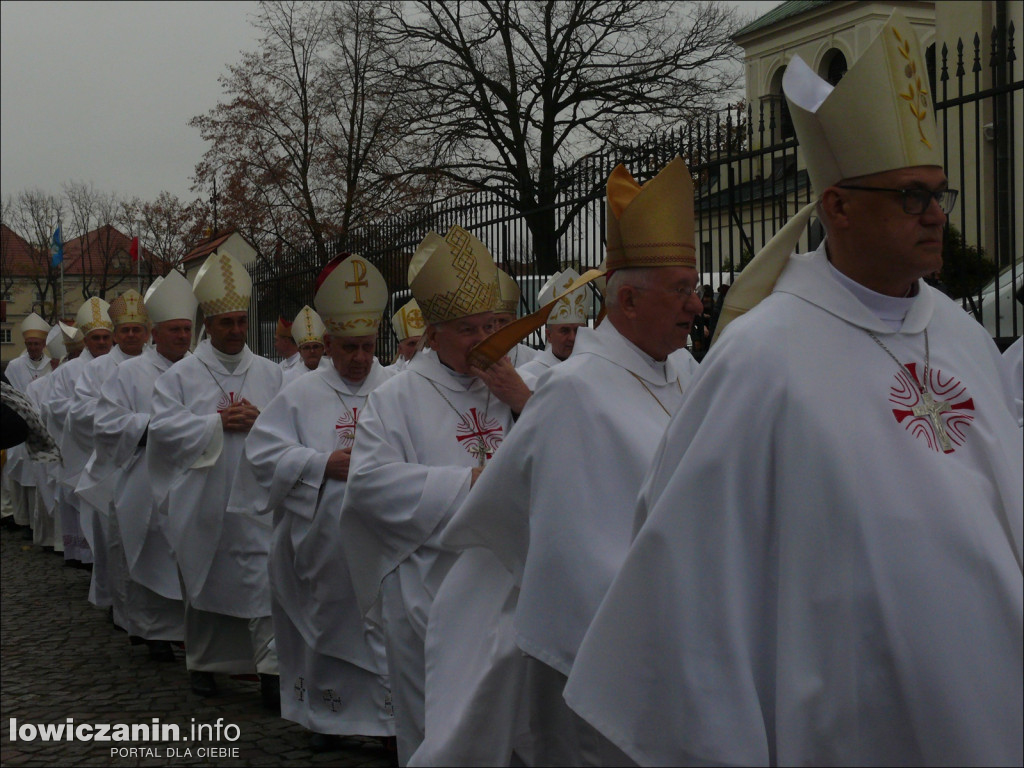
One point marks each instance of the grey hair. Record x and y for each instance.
(639, 277)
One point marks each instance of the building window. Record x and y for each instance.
(5, 336)
(833, 66)
(778, 114)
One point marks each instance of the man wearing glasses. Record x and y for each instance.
(853, 595)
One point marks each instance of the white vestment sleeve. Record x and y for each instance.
(393, 504)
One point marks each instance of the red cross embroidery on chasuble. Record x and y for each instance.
(478, 434)
(940, 415)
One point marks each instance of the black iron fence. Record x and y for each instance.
(749, 179)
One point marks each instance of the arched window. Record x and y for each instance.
(783, 123)
(833, 66)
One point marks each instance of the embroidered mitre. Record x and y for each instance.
(453, 276)
(408, 321)
(568, 307)
(93, 315)
(507, 299)
(307, 327)
(128, 308)
(222, 285)
(351, 296)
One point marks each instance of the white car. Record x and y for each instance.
(999, 321)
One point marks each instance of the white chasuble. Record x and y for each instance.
(537, 367)
(193, 465)
(120, 424)
(288, 449)
(332, 662)
(555, 511)
(23, 370)
(825, 572)
(419, 438)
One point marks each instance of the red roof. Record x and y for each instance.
(82, 255)
(208, 246)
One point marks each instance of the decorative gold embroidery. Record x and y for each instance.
(473, 294)
(916, 94)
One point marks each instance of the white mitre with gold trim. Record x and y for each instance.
(34, 327)
(408, 321)
(171, 298)
(508, 293)
(92, 316)
(453, 276)
(128, 308)
(307, 327)
(878, 118)
(351, 297)
(222, 285)
(570, 307)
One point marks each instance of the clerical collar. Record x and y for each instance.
(228, 361)
(891, 310)
(465, 379)
(657, 366)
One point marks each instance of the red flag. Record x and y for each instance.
(133, 250)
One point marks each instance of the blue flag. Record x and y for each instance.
(56, 248)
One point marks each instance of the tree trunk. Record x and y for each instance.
(545, 243)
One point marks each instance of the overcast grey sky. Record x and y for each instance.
(102, 92)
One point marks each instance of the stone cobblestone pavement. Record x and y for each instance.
(60, 658)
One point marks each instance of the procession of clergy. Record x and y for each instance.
(807, 550)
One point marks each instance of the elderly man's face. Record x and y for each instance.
(352, 355)
(407, 347)
(131, 337)
(453, 340)
(99, 342)
(34, 347)
(311, 352)
(664, 313)
(562, 338)
(228, 332)
(173, 338)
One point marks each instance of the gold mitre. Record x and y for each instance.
(171, 298)
(452, 276)
(569, 307)
(408, 321)
(222, 285)
(507, 299)
(34, 327)
(307, 327)
(878, 118)
(128, 308)
(351, 297)
(55, 347)
(284, 328)
(651, 225)
(92, 316)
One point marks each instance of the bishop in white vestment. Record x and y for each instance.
(424, 438)
(827, 569)
(203, 408)
(559, 527)
(332, 662)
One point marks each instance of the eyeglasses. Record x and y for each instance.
(917, 200)
(680, 293)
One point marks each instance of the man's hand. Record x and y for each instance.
(239, 417)
(337, 464)
(502, 379)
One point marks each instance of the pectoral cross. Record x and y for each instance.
(930, 409)
(359, 275)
